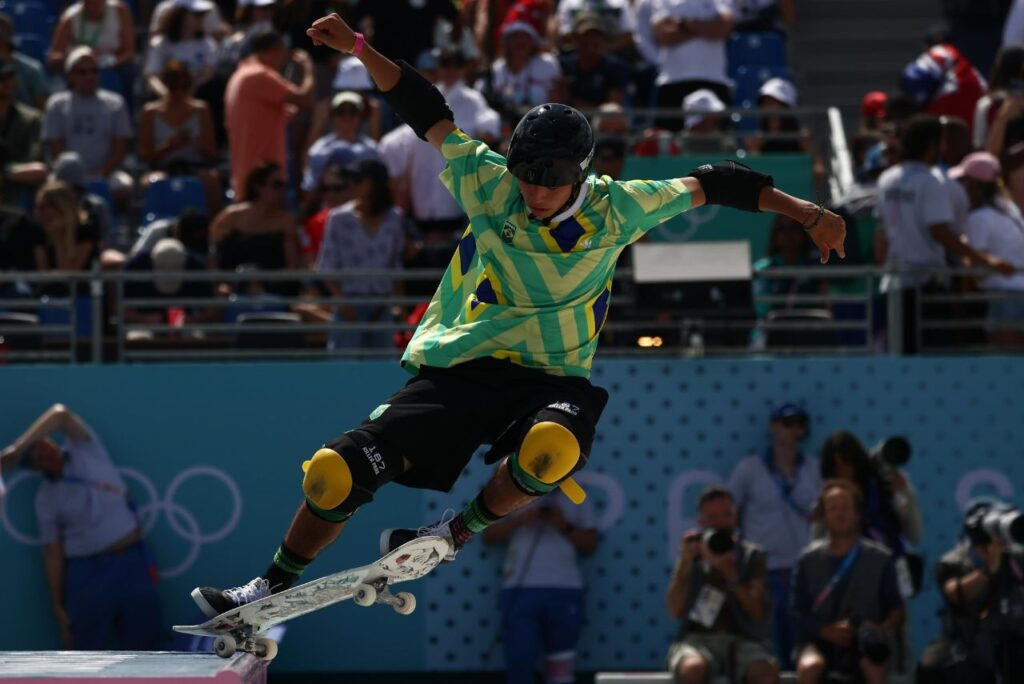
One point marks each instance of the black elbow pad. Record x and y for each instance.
(732, 184)
(417, 101)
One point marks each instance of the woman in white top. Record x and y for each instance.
(181, 38)
(995, 226)
(104, 25)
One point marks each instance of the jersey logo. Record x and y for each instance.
(379, 410)
(508, 231)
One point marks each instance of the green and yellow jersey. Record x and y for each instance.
(519, 289)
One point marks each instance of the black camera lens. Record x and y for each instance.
(719, 541)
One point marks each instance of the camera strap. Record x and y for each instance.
(837, 576)
(785, 486)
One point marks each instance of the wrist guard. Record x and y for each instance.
(732, 184)
(417, 101)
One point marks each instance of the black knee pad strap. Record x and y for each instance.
(371, 467)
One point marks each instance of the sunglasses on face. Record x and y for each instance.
(794, 422)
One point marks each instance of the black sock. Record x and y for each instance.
(286, 567)
(475, 517)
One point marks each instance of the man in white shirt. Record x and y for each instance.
(690, 37)
(775, 491)
(414, 164)
(915, 229)
(101, 580)
(542, 588)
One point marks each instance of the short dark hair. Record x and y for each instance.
(713, 493)
(266, 40)
(258, 177)
(922, 131)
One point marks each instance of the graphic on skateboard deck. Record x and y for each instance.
(239, 628)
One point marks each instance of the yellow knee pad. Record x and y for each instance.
(328, 479)
(547, 455)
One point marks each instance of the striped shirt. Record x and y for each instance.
(519, 289)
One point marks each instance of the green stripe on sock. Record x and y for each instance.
(288, 562)
(477, 517)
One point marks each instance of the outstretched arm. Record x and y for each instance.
(432, 120)
(57, 417)
(734, 185)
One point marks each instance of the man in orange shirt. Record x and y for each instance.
(257, 104)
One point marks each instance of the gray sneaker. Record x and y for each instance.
(392, 538)
(213, 601)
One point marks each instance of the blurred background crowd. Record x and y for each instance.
(196, 136)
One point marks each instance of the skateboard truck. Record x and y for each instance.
(377, 592)
(226, 645)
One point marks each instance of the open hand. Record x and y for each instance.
(333, 32)
(829, 234)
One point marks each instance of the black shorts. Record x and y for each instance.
(443, 415)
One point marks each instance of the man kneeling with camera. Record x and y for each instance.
(982, 585)
(719, 594)
(846, 599)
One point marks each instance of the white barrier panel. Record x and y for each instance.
(127, 667)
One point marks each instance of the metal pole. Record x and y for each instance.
(894, 320)
(96, 291)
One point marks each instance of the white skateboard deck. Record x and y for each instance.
(410, 561)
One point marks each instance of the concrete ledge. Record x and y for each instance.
(125, 667)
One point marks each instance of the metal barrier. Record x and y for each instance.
(87, 317)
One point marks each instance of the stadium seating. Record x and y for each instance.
(755, 50)
(33, 45)
(169, 197)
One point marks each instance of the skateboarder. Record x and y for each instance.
(503, 353)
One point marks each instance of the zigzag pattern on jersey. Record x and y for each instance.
(515, 288)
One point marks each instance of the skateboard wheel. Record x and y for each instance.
(406, 603)
(225, 646)
(266, 649)
(365, 595)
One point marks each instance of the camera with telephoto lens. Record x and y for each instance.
(888, 455)
(718, 541)
(872, 645)
(989, 521)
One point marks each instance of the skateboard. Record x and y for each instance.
(239, 629)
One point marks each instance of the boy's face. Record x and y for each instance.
(543, 201)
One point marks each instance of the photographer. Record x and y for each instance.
(982, 585)
(891, 515)
(846, 602)
(541, 599)
(719, 594)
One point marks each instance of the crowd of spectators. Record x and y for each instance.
(800, 562)
(278, 135)
(940, 178)
(272, 135)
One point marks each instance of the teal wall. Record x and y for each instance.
(671, 427)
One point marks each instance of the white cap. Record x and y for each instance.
(780, 89)
(168, 255)
(698, 105)
(76, 55)
(257, 3)
(351, 75)
(195, 5)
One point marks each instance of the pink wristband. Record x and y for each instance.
(358, 47)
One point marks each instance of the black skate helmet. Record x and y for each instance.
(552, 145)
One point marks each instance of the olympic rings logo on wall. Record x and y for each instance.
(150, 506)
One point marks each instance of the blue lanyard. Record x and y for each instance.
(844, 567)
(785, 488)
